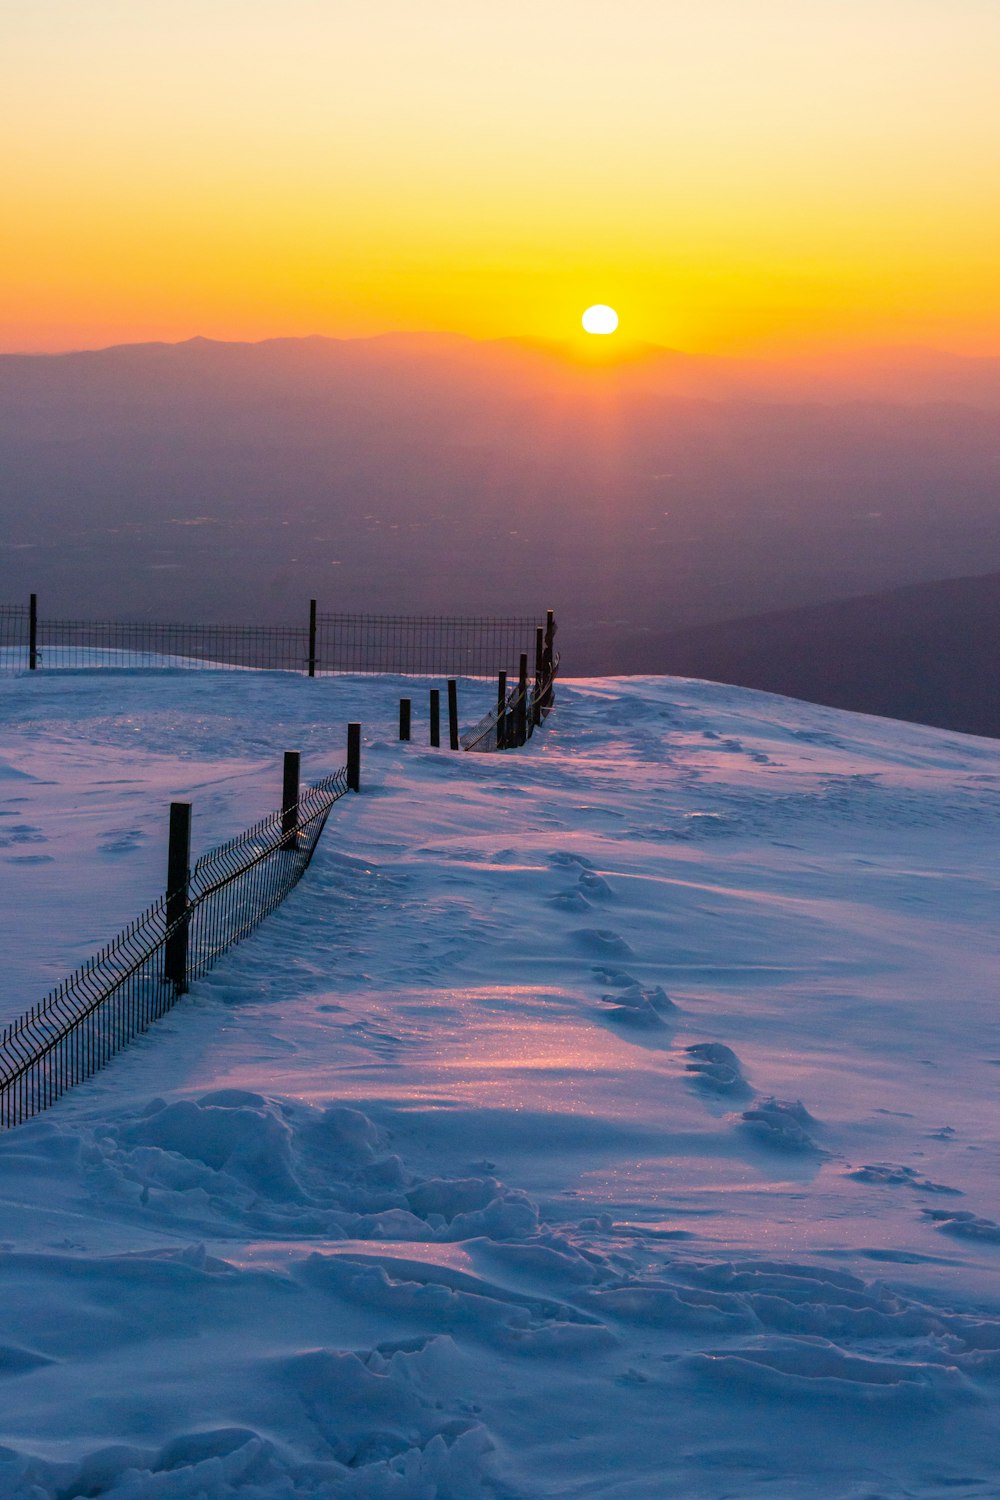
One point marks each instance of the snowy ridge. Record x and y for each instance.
(617, 1118)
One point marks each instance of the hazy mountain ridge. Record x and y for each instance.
(437, 474)
(926, 653)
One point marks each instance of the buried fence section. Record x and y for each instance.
(518, 711)
(142, 973)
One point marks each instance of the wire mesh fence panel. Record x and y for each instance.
(421, 645)
(513, 720)
(14, 637)
(119, 643)
(122, 989)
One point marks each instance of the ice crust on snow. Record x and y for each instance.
(613, 1117)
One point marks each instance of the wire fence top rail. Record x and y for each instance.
(329, 642)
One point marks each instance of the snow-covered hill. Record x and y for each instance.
(615, 1117)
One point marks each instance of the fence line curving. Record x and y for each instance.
(208, 908)
(130, 983)
(515, 716)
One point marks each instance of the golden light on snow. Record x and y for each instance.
(600, 319)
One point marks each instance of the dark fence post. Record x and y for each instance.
(290, 800)
(312, 637)
(536, 707)
(354, 757)
(404, 718)
(175, 950)
(32, 633)
(453, 712)
(502, 711)
(435, 718)
(549, 656)
(522, 699)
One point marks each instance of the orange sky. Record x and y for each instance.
(731, 175)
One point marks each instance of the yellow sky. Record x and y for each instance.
(731, 175)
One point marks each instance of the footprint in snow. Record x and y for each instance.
(572, 899)
(619, 978)
(635, 1006)
(603, 942)
(21, 833)
(565, 857)
(780, 1123)
(715, 1067)
(121, 841)
(595, 887)
(895, 1176)
(964, 1226)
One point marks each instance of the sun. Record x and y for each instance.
(600, 319)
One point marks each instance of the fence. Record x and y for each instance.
(516, 714)
(469, 646)
(141, 974)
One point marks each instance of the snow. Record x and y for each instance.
(612, 1117)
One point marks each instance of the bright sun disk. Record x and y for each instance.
(600, 319)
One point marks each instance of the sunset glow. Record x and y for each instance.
(734, 178)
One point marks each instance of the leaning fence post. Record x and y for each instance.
(435, 718)
(32, 633)
(502, 711)
(536, 707)
(453, 712)
(549, 656)
(354, 757)
(175, 949)
(522, 699)
(290, 800)
(312, 637)
(404, 718)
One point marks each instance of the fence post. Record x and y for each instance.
(404, 718)
(522, 699)
(175, 950)
(502, 711)
(453, 712)
(549, 657)
(290, 800)
(536, 707)
(312, 637)
(354, 757)
(32, 633)
(435, 718)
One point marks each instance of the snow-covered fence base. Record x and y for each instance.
(121, 990)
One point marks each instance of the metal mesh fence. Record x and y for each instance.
(422, 645)
(448, 646)
(121, 990)
(14, 636)
(513, 719)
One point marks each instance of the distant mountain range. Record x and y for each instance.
(435, 474)
(929, 653)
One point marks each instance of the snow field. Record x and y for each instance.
(612, 1117)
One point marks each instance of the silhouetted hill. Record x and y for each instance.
(437, 474)
(929, 653)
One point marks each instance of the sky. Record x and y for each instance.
(733, 176)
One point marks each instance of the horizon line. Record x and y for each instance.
(623, 345)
